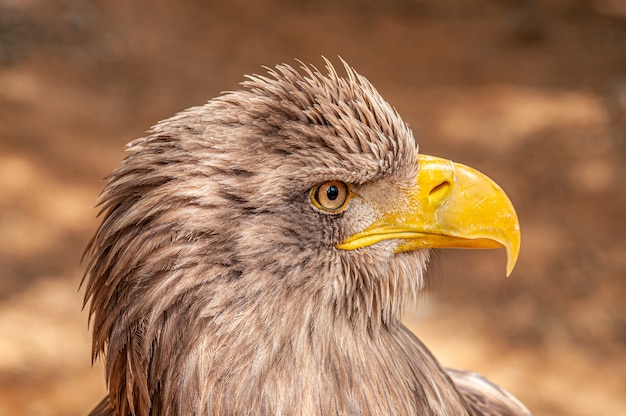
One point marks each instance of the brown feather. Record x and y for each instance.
(215, 288)
(484, 397)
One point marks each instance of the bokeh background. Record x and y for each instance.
(531, 92)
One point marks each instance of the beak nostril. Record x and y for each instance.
(440, 190)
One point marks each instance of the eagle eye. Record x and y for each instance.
(331, 196)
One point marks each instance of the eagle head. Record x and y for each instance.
(256, 252)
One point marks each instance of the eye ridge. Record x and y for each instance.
(331, 196)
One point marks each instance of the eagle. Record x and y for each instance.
(256, 254)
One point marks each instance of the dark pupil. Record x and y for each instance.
(332, 192)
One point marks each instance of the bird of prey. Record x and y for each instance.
(256, 253)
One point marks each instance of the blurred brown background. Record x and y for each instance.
(533, 93)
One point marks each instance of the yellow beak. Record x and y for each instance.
(451, 206)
